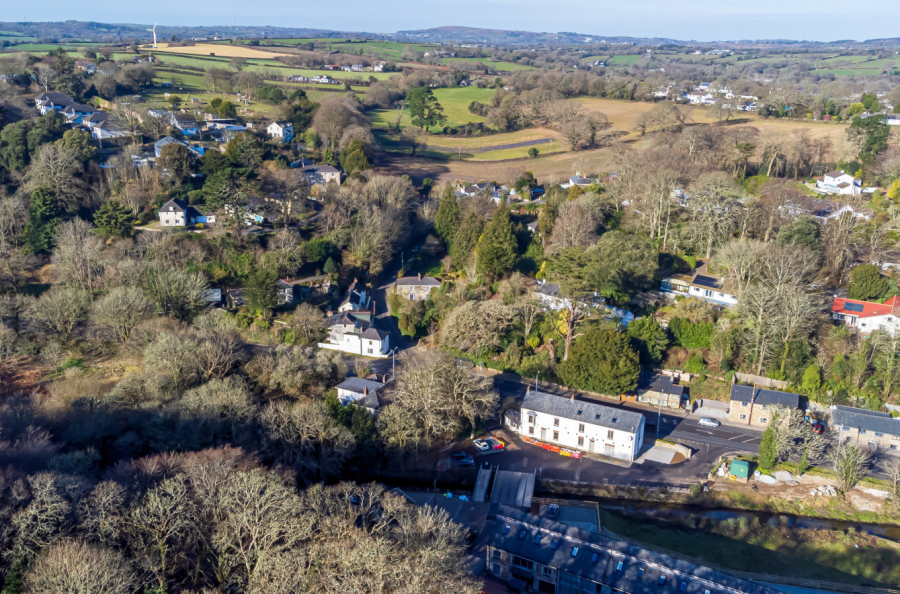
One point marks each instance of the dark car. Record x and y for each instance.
(552, 511)
(462, 459)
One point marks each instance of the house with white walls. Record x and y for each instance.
(838, 182)
(867, 316)
(583, 426)
(701, 284)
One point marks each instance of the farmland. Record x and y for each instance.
(228, 51)
(499, 66)
(455, 102)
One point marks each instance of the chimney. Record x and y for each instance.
(528, 389)
(573, 397)
(420, 276)
(366, 391)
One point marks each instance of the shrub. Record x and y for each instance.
(695, 365)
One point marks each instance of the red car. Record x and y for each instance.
(818, 427)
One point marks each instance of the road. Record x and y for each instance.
(676, 426)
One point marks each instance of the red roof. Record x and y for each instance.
(869, 309)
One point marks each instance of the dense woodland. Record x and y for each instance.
(147, 446)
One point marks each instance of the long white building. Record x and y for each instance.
(582, 426)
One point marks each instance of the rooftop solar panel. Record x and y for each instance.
(857, 307)
(706, 281)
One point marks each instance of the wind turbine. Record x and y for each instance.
(154, 34)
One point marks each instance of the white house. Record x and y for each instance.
(356, 299)
(867, 316)
(378, 67)
(698, 98)
(75, 112)
(186, 123)
(583, 426)
(577, 180)
(320, 175)
(700, 284)
(47, 102)
(355, 333)
(361, 392)
(838, 182)
(281, 129)
(177, 213)
(824, 210)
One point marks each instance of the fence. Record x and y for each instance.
(758, 380)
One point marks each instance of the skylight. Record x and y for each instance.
(575, 552)
(522, 534)
(554, 544)
(620, 565)
(594, 558)
(537, 539)
(506, 529)
(641, 572)
(683, 587)
(662, 580)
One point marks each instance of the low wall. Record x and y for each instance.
(676, 447)
(758, 380)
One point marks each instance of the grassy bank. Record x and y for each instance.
(761, 548)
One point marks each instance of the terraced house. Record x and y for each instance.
(877, 430)
(535, 554)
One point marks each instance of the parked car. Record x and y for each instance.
(818, 427)
(552, 511)
(481, 444)
(707, 422)
(462, 459)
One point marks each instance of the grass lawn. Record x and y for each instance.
(624, 60)
(818, 555)
(710, 389)
(463, 142)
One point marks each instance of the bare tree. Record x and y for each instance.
(307, 320)
(120, 310)
(77, 255)
(75, 567)
(57, 168)
(851, 464)
(573, 228)
(59, 311)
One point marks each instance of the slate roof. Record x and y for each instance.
(617, 564)
(415, 281)
(55, 98)
(97, 116)
(588, 412)
(358, 385)
(371, 333)
(319, 169)
(764, 396)
(180, 205)
(168, 140)
(659, 383)
(867, 420)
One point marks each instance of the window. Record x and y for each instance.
(519, 561)
(708, 293)
(745, 404)
(554, 544)
(498, 554)
(522, 534)
(878, 434)
(537, 539)
(532, 418)
(370, 351)
(506, 529)
(683, 587)
(556, 436)
(609, 434)
(580, 441)
(531, 431)
(640, 572)
(594, 558)
(620, 565)
(575, 551)
(581, 427)
(556, 422)
(862, 431)
(547, 570)
(496, 568)
(662, 580)
(743, 417)
(763, 420)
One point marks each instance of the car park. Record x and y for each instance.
(481, 444)
(707, 422)
(462, 459)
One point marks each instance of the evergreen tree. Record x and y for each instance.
(43, 217)
(867, 284)
(260, 291)
(113, 219)
(447, 220)
(330, 267)
(497, 247)
(768, 455)
(601, 361)
(424, 109)
(354, 158)
(466, 239)
(649, 339)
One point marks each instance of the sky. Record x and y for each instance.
(700, 20)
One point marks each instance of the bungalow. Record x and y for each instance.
(577, 180)
(838, 182)
(416, 288)
(877, 430)
(47, 102)
(867, 316)
(320, 175)
(361, 392)
(356, 333)
(331, 67)
(101, 132)
(700, 284)
(659, 390)
(824, 210)
(177, 213)
(753, 406)
(698, 98)
(282, 129)
(300, 78)
(378, 67)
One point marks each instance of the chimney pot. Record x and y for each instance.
(420, 276)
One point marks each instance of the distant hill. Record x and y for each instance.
(463, 35)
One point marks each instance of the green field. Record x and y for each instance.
(501, 66)
(624, 60)
(386, 49)
(455, 102)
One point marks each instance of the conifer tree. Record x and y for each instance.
(497, 247)
(447, 220)
(43, 217)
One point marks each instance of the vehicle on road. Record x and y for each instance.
(462, 459)
(707, 422)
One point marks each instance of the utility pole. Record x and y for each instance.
(659, 414)
(536, 381)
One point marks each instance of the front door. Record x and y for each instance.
(591, 446)
(543, 434)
